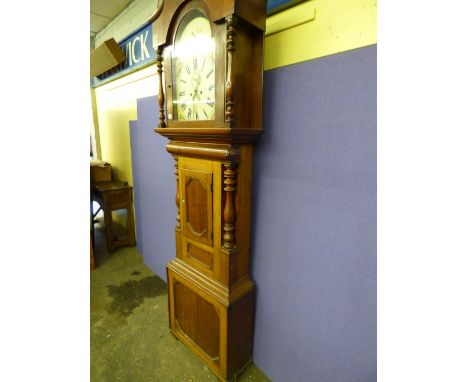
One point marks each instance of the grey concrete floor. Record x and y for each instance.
(130, 338)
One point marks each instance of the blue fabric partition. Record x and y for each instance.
(313, 250)
(154, 188)
(136, 183)
(314, 221)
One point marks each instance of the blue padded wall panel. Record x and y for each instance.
(154, 189)
(313, 250)
(314, 221)
(136, 182)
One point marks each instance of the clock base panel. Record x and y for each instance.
(219, 332)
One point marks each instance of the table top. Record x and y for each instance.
(109, 186)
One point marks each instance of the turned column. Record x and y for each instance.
(177, 195)
(229, 212)
(159, 66)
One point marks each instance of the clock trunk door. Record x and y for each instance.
(197, 205)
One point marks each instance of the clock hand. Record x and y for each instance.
(197, 80)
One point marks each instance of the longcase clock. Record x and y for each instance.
(210, 67)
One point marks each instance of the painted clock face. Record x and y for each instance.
(193, 67)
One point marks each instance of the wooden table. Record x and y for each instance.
(113, 196)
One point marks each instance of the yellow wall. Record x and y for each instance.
(313, 29)
(319, 28)
(116, 104)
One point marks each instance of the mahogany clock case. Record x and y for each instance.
(238, 70)
(211, 299)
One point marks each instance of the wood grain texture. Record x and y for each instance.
(197, 201)
(159, 65)
(229, 212)
(177, 196)
(210, 135)
(221, 152)
(252, 11)
(112, 196)
(220, 332)
(211, 296)
(231, 22)
(202, 257)
(197, 319)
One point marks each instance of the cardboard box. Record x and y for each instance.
(101, 173)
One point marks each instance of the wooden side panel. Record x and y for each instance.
(240, 333)
(198, 320)
(256, 88)
(243, 209)
(253, 11)
(248, 69)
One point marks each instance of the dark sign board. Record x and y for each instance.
(274, 6)
(139, 52)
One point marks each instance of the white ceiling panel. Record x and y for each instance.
(108, 8)
(102, 12)
(98, 22)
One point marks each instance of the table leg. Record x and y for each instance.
(109, 230)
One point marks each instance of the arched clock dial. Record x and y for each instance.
(193, 62)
